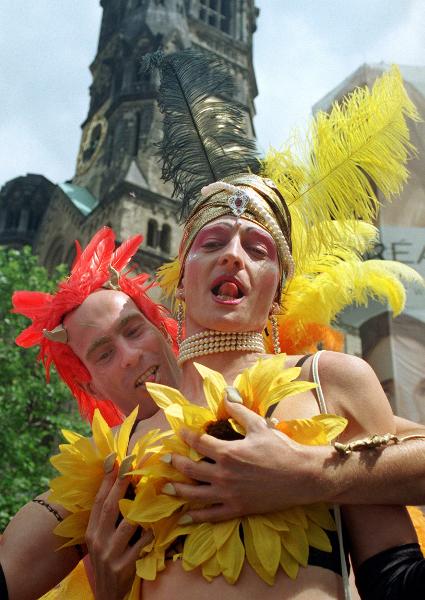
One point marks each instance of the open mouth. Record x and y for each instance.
(227, 290)
(148, 375)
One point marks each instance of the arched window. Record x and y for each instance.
(119, 74)
(165, 242)
(95, 136)
(136, 133)
(217, 13)
(109, 154)
(12, 219)
(34, 220)
(152, 237)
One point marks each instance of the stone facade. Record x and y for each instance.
(118, 172)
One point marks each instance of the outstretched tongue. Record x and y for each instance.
(228, 289)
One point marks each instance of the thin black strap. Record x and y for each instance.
(302, 360)
(133, 429)
(4, 594)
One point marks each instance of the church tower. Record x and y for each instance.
(118, 172)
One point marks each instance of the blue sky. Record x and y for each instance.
(303, 49)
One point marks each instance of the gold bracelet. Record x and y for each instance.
(374, 441)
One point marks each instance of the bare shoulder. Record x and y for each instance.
(344, 369)
(352, 389)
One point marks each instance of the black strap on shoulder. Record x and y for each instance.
(4, 594)
(302, 360)
(133, 429)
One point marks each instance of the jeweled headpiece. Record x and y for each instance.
(99, 266)
(251, 197)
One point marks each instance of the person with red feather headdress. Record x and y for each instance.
(100, 266)
(100, 309)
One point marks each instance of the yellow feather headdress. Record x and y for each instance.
(362, 145)
(329, 182)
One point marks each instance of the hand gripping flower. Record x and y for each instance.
(267, 541)
(81, 464)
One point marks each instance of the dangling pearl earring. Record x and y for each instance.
(275, 328)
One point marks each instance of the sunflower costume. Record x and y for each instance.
(267, 542)
(319, 210)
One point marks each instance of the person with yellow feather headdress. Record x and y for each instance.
(224, 276)
(236, 263)
(252, 213)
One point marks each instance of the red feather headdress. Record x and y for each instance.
(91, 270)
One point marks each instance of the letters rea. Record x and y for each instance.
(401, 251)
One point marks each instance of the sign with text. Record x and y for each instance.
(406, 245)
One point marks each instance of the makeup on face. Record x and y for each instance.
(230, 278)
(218, 234)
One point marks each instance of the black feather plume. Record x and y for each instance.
(205, 137)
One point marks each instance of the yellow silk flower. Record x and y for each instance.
(281, 538)
(80, 463)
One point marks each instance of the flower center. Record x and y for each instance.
(222, 430)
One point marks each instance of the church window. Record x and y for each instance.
(135, 4)
(12, 219)
(118, 79)
(33, 220)
(141, 78)
(110, 147)
(136, 133)
(165, 241)
(152, 237)
(216, 13)
(95, 136)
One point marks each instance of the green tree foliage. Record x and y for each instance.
(31, 411)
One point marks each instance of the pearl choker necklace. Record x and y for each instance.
(213, 342)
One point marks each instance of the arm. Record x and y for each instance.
(29, 554)
(374, 531)
(33, 565)
(296, 474)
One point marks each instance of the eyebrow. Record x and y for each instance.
(222, 224)
(107, 338)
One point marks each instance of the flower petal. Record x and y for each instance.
(199, 546)
(231, 556)
(265, 542)
(288, 563)
(295, 542)
(164, 396)
(102, 435)
(123, 436)
(317, 538)
(214, 384)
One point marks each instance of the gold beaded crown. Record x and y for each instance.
(251, 197)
